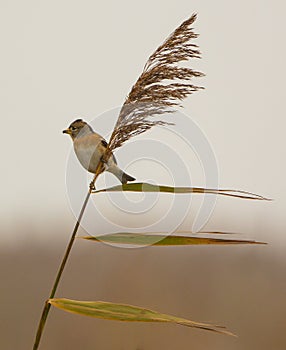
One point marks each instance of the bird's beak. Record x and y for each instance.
(67, 131)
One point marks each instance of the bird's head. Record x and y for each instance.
(78, 128)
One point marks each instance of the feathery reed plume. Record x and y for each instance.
(161, 86)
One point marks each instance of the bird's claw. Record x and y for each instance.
(91, 186)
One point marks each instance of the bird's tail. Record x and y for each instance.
(125, 178)
(121, 175)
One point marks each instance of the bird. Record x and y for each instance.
(90, 148)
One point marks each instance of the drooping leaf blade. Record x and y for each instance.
(164, 240)
(130, 313)
(146, 187)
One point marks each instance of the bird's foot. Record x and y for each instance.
(92, 186)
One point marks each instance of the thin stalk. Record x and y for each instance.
(47, 306)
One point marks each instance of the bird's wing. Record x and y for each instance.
(105, 145)
(161, 86)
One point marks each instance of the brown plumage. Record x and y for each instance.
(90, 147)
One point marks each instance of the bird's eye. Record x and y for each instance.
(73, 128)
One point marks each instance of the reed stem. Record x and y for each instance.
(47, 306)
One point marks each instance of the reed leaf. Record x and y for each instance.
(146, 187)
(122, 312)
(160, 239)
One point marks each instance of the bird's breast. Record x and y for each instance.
(88, 154)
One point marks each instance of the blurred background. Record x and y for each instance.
(70, 59)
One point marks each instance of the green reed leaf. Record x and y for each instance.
(163, 240)
(122, 312)
(146, 187)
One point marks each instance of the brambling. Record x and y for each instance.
(90, 147)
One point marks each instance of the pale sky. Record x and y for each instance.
(69, 59)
